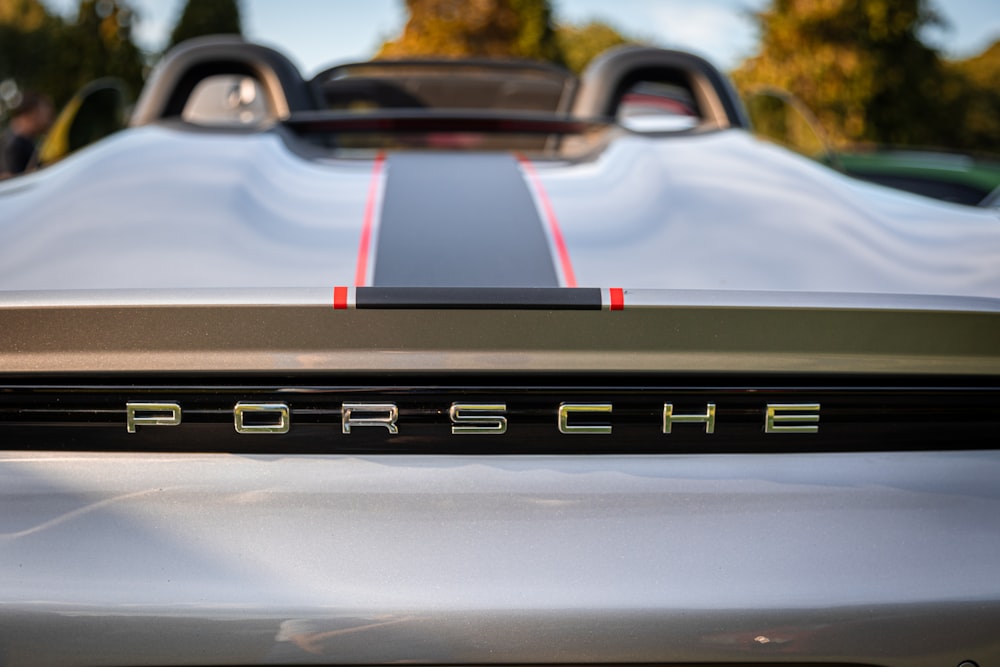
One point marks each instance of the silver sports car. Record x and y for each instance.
(468, 363)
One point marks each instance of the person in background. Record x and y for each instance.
(28, 121)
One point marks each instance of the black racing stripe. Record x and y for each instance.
(486, 298)
(460, 220)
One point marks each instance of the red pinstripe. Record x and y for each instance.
(550, 215)
(364, 249)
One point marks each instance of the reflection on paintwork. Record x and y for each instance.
(724, 211)
(674, 544)
(344, 638)
(706, 211)
(71, 515)
(251, 205)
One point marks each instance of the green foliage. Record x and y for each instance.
(582, 43)
(25, 15)
(860, 66)
(101, 43)
(29, 40)
(536, 37)
(207, 17)
(478, 28)
(43, 52)
(785, 120)
(973, 99)
(498, 29)
(857, 63)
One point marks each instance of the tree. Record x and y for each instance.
(100, 45)
(207, 17)
(25, 15)
(29, 38)
(481, 28)
(43, 52)
(581, 43)
(974, 101)
(858, 64)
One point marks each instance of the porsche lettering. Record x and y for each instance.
(473, 418)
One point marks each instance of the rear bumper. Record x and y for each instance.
(875, 558)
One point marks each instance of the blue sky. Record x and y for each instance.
(315, 33)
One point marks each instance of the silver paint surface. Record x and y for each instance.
(132, 559)
(152, 208)
(727, 211)
(879, 558)
(158, 207)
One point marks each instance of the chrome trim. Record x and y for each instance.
(134, 420)
(566, 408)
(387, 415)
(802, 423)
(477, 422)
(281, 409)
(708, 419)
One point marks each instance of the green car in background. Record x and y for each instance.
(953, 177)
(781, 117)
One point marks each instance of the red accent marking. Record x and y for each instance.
(550, 214)
(340, 298)
(366, 228)
(617, 298)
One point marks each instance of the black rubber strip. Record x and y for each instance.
(545, 298)
(460, 220)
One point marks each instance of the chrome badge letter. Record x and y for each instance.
(151, 414)
(369, 414)
(566, 408)
(669, 418)
(776, 418)
(470, 418)
(280, 410)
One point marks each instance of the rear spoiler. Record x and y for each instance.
(569, 330)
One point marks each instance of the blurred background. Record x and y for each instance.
(828, 77)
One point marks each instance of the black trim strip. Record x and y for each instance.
(844, 418)
(481, 298)
(485, 122)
